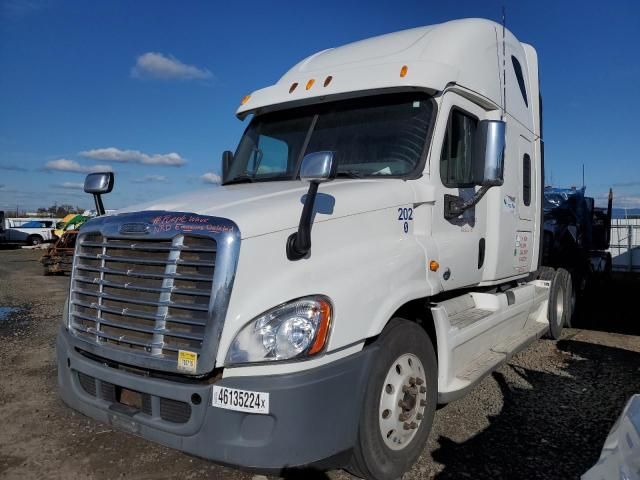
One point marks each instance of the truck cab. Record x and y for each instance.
(373, 250)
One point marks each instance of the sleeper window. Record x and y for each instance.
(526, 179)
(518, 71)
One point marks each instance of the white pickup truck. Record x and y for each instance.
(30, 231)
(373, 250)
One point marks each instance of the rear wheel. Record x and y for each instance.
(399, 405)
(34, 240)
(561, 302)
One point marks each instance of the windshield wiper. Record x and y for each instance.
(349, 174)
(239, 179)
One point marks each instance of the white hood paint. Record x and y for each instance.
(265, 207)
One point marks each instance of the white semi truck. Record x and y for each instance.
(373, 250)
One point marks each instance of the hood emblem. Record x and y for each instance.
(135, 228)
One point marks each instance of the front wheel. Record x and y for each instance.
(399, 405)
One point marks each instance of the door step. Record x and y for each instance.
(500, 353)
(462, 311)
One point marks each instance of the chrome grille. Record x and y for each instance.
(148, 296)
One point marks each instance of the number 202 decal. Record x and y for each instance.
(405, 215)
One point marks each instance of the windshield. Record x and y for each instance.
(381, 136)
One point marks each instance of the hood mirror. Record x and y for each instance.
(97, 184)
(316, 168)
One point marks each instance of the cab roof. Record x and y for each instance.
(465, 52)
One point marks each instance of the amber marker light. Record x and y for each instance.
(403, 71)
(245, 99)
(310, 83)
(293, 86)
(323, 328)
(327, 80)
(434, 266)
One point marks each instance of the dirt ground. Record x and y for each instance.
(544, 415)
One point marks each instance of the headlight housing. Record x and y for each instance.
(296, 329)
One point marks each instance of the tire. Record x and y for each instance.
(560, 303)
(572, 301)
(34, 240)
(546, 273)
(406, 355)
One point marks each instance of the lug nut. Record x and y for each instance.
(413, 425)
(419, 381)
(419, 416)
(412, 380)
(406, 426)
(409, 390)
(403, 417)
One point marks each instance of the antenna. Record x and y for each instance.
(504, 67)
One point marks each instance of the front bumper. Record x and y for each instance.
(313, 415)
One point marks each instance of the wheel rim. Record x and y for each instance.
(402, 401)
(560, 306)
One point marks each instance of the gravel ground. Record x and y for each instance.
(544, 415)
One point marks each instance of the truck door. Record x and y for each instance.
(460, 241)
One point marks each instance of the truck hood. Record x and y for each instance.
(265, 207)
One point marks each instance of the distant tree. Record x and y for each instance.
(58, 211)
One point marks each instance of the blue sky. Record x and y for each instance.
(150, 88)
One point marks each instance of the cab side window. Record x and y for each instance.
(456, 167)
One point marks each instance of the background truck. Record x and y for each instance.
(374, 250)
(29, 231)
(576, 237)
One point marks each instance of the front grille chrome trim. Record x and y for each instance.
(140, 299)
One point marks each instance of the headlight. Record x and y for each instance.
(296, 329)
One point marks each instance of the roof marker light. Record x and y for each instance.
(310, 83)
(245, 99)
(327, 80)
(403, 71)
(293, 86)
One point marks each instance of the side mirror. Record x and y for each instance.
(97, 184)
(316, 168)
(227, 158)
(488, 153)
(488, 166)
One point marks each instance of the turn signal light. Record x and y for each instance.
(245, 99)
(323, 328)
(310, 83)
(404, 70)
(434, 266)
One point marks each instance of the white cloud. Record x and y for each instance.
(166, 67)
(211, 177)
(64, 165)
(112, 154)
(72, 185)
(152, 178)
(626, 201)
